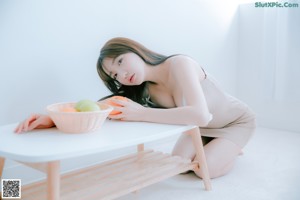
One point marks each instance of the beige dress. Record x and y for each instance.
(231, 118)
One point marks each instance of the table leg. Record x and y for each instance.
(140, 147)
(2, 161)
(53, 180)
(200, 156)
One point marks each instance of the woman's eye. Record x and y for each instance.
(115, 76)
(120, 61)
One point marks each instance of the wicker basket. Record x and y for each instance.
(78, 122)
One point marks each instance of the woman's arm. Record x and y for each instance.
(186, 82)
(35, 121)
(180, 115)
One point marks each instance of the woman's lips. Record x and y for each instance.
(131, 78)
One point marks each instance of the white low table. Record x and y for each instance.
(43, 149)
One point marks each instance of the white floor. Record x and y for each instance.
(268, 170)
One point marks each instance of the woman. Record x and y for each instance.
(155, 82)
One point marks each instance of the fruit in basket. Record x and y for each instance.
(69, 109)
(114, 112)
(86, 106)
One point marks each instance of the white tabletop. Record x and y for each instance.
(44, 145)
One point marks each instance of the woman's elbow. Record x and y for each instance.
(204, 119)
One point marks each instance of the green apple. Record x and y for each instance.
(86, 106)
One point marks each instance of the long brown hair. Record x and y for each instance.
(117, 46)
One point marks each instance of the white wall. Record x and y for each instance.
(269, 64)
(48, 49)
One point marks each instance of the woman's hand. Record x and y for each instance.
(35, 121)
(130, 110)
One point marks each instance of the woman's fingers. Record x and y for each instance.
(130, 110)
(117, 116)
(29, 120)
(25, 125)
(34, 124)
(18, 128)
(119, 102)
(117, 112)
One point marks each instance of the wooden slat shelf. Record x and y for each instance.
(112, 179)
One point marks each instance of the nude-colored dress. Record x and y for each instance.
(231, 118)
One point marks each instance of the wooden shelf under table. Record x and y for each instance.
(114, 178)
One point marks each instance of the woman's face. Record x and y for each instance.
(127, 69)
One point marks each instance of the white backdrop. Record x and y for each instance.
(269, 64)
(49, 49)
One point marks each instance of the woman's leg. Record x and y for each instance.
(184, 146)
(220, 153)
(220, 156)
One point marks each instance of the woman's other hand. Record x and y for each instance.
(130, 110)
(35, 121)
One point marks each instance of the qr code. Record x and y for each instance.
(11, 189)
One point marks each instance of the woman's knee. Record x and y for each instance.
(220, 157)
(184, 147)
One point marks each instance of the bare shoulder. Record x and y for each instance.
(182, 64)
(182, 60)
